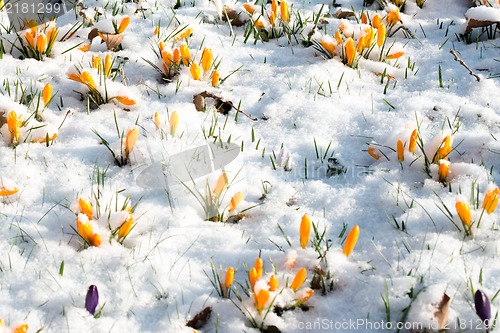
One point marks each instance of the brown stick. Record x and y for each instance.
(461, 62)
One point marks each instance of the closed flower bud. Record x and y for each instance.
(351, 240)
(259, 266)
(305, 230)
(400, 149)
(47, 93)
(413, 141)
(174, 122)
(195, 71)
(215, 78)
(443, 170)
(482, 305)
(491, 199)
(299, 279)
(130, 140)
(235, 201)
(92, 299)
(229, 277)
(206, 59)
(285, 15)
(123, 24)
(273, 283)
(186, 56)
(261, 299)
(463, 210)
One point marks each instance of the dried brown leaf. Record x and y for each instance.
(200, 319)
(112, 40)
(342, 14)
(234, 16)
(199, 102)
(442, 311)
(473, 23)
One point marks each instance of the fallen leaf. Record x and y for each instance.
(200, 319)
(234, 16)
(112, 40)
(442, 311)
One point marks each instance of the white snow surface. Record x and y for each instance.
(411, 239)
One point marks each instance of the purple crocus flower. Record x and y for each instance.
(92, 299)
(482, 304)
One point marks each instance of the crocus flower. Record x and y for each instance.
(249, 8)
(125, 228)
(85, 230)
(338, 37)
(361, 44)
(185, 34)
(381, 34)
(273, 283)
(177, 56)
(167, 57)
(413, 141)
(374, 152)
(14, 126)
(350, 241)
(215, 78)
(328, 45)
(235, 201)
(304, 295)
(285, 15)
(376, 21)
(123, 24)
(206, 59)
(92, 299)
(463, 210)
(21, 329)
(364, 18)
(130, 140)
(491, 198)
(221, 185)
(261, 299)
(443, 170)
(350, 51)
(229, 278)
(482, 304)
(41, 43)
(305, 230)
(108, 62)
(30, 39)
(186, 56)
(96, 62)
(400, 149)
(299, 279)
(47, 93)
(274, 7)
(393, 17)
(125, 100)
(195, 71)
(174, 121)
(395, 55)
(272, 18)
(85, 207)
(259, 266)
(157, 120)
(252, 276)
(7, 190)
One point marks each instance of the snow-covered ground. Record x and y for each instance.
(306, 152)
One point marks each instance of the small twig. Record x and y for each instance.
(461, 62)
(65, 116)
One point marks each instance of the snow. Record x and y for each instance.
(305, 153)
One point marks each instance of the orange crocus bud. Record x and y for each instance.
(305, 230)
(285, 14)
(443, 170)
(235, 201)
(125, 100)
(351, 240)
(47, 93)
(195, 71)
(206, 59)
(374, 152)
(215, 78)
(252, 276)
(123, 24)
(400, 149)
(41, 43)
(463, 210)
(221, 185)
(376, 21)
(273, 283)
(350, 51)
(259, 266)
(229, 278)
(299, 279)
(413, 141)
(261, 299)
(381, 33)
(491, 198)
(130, 140)
(85, 207)
(186, 57)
